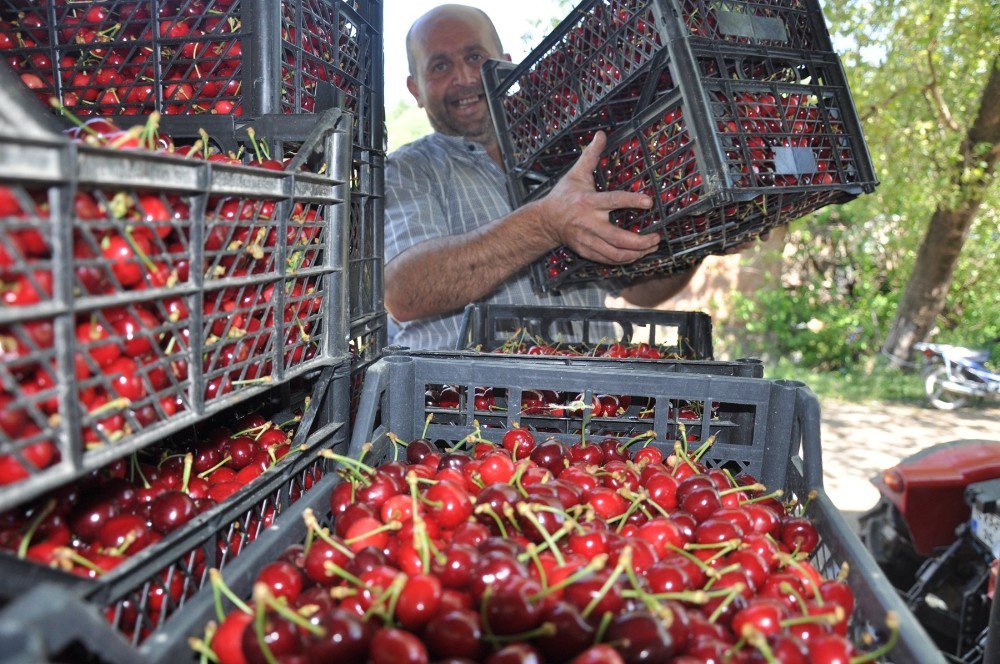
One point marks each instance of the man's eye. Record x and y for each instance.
(475, 57)
(440, 66)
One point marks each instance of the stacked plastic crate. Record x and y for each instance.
(734, 117)
(100, 248)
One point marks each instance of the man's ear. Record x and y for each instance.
(411, 85)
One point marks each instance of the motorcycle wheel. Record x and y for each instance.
(886, 537)
(937, 395)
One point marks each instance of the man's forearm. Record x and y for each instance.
(444, 274)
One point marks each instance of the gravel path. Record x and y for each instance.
(859, 440)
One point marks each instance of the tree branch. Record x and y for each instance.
(934, 90)
(874, 108)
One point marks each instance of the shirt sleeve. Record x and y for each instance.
(413, 211)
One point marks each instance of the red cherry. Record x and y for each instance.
(395, 646)
(283, 579)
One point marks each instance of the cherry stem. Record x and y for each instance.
(215, 578)
(385, 527)
(260, 622)
(357, 465)
(205, 142)
(488, 510)
(114, 405)
(793, 591)
(892, 622)
(256, 432)
(624, 560)
(777, 493)
(681, 454)
(206, 473)
(759, 641)
(524, 509)
(474, 436)
(186, 477)
(309, 517)
(150, 265)
(22, 549)
(427, 424)
(651, 435)
(532, 552)
(545, 629)
(737, 489)
(602, 628)
(399, 583)
(707, 570)
(623, 518)
(252, 135)
(136, 468)
(700, 452)
(829, 619)
(333, 568)
(201, 646)
(515, 480)
(790, 561)
(811, 497)
(733, 594)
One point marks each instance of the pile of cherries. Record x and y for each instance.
(116, 58)
(570, 404)
(608, 44)
(132, 361)
(90, 527)
(660, 161)
(535, 551)
(526, 344)
(321, 61)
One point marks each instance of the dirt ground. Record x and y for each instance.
(859, 440)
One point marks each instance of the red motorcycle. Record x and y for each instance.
(936, 534)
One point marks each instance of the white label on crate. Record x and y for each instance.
(986, 528)
(759, 28)
(794, 161)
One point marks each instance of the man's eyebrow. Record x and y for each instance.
(443, 55)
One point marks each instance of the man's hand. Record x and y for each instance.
(577, 215)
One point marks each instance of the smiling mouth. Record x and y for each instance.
(470, 100)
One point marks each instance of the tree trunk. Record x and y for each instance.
(934, 268)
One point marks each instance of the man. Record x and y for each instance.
(451, 235)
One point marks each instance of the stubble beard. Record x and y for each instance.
(481, 132)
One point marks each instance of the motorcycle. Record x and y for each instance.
(955, 374)
(936, 535)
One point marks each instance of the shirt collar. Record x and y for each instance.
(459, 144)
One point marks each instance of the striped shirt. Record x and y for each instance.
(446, 185)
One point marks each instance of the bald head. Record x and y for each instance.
(425, 24)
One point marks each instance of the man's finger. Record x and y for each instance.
(618, 200)
(590, 156)
(623, 239)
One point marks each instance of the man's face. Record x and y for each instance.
(448, 52)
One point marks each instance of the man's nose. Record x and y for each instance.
(468, 73)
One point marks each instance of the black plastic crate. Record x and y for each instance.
(115, 282)
(603, 63)
(751, 143)
(739, 119)
(367, 341)
(223, 58)
(781, 418)
(505, 328)
(141, 594)
(366, 237)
